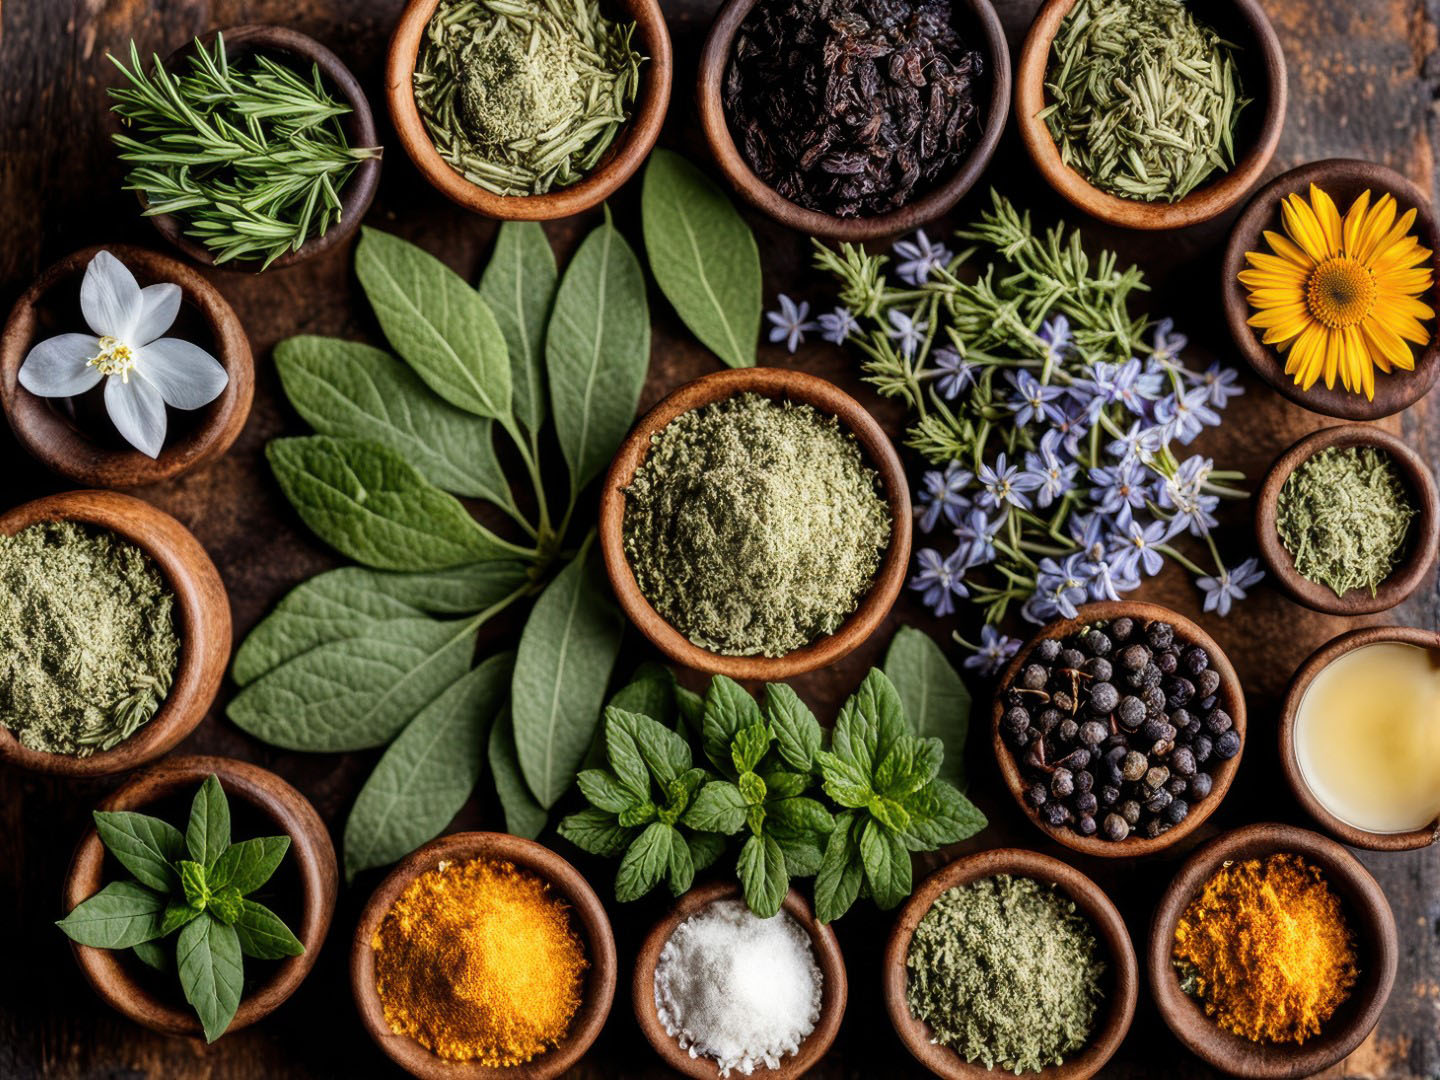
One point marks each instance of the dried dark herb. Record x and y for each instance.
(852, 107)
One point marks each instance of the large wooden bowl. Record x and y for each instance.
(827, 399)
(310, 849)
(202, 622)
(1122, 978)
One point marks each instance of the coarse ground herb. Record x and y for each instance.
(1343, 516)
(1143, 98)
(1007, 973)
(87, 638)
(754, 526)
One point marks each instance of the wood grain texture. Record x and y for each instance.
(1362, 85)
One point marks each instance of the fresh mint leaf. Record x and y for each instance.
(887, 865)
(225, 905)
(869, 723)
(889, 813)
(718, 808)
(761, 868)
(602, 790)
(209, 959)
(193, 885)
(939, 815)
(749, 746)
(177, 915)
(797, 732)
(623, 754)
(783, 784)
(837, 883)
(122, 914)
(519, 287)
(666, 755)
(207, 834)
(843, 780)
(249, 864)
(146, 846)
(935, 700)
(752, 788)
(597, 832)
(680, 873)
(523, 815)
(690, 708)
(801, 814)
(645, 862)
(729, 709)
(638, 813)
(705, 848)
(650, 692)
(262, 935)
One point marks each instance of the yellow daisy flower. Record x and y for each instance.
(1339, 296)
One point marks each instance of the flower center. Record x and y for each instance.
(1341, 292)
(114, 358)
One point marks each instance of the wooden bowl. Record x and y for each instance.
(1232, 699)
(631, 147)
(826, 398)
(1370, 918)
(590, 920)
(291, 46)
(1320, 659)
(1123, 974)
(827, 955)
(202, 617)
(1261, 67)
(54, 440)
(1424, 538)
(310, 851)
(715, 58)
(1342, 180)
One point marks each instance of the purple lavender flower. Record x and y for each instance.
(920, 258)
(994, 653)
(1119, 490)
(837, 325)
(956, 373)
(976, 534)
(1098, 389)
(940, 579)
(1059, 588)
(1133, 548)
(1185, 416)
(1004, 483)
(790, 324)
(907, 330)
(1055, 477)
(943, 494)
(1033, 400)
(1229, 585)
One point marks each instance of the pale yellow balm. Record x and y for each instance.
(1367, 737)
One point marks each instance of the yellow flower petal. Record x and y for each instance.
(1409, 282)
(1273, 316)
(1328, 218)
(1377, 224)
(1386, 346)
(1307, 356)
(1303, 227)
(1273, 264)
(1354, 219)
(1288, 251)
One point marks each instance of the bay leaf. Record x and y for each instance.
(523, 815)
(519, 285)
(936, 702)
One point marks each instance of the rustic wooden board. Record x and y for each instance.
(1363, 84)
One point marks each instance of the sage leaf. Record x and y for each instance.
(597, 352)
(797, 732)
(437, 323)
(761, 868)
(597, 832)
(249, 864)
(262, 935)
(122, 914)
(837, 882)
(153, 954)
(645, 862)
(208, 957)
(935, 700)
(145, 845)
(565, 657)
(703, 256)
(887, 865)
(428, 772)
(729, 708)
(519, 286)
(719, 808)
(523, 815)
(207, 834)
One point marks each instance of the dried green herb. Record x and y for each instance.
(1144, 99)
(1343, 516)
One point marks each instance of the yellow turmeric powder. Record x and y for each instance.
(479, 961)
(1267, 948)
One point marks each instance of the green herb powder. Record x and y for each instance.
(754, 526)
(1343, 516)
(1007, 973)
(87, 638)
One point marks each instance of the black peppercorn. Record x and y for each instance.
(1093, 732)
(1130, 712)
(1151, 676)
(1134, 657)
(1067, 730)
(1218, 721)
(1177, 786)
(1077, 759)
(1154, 698)
(1096, 643)
(1202, 746)
(1085, 825)
(1070, 658)
(1034, 677)
(1116, 827)
(1160, 635)
(1134, 766)
(1183, 761)
(1062, 783)
(1176, 811)
(1099, 669)
(1084, 780)
(1047, 650)
(1155, 827)
(1200, 785)
(1207, 682)
(1063, 701)
(1167, 662)
(1159, 801)
(1036, 795)
(1055, 814)
(1085, 802)
(1227, 745)
(1155, 727)
(1130, 811)
(1122, 628)
(1016, 719)
(1046, 719)
(1103, 698)
(1155, 776)
(1109, 795)
(1195, 660)
(1178, 691)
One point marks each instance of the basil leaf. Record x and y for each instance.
(729, 709)
(597, 352)
(935, 701)
(837, 883)
(703, 256)
(719, 808)
(437, 322)
(146, 846)
(153, 954)
(207, 834)
(646, 861)
(749, 746)
(940, 815)
(797, 732)
(523, 815)
(208, 956)
(602, 790)
(225, 905)
(249, 864)
(869, 723)
(762, 875)
(681, 870)
(120, 915)
(193, 884)
(597, 832)
(705, 848)
(887, 865)
(262, 935)
(176, 916)
(519, 287)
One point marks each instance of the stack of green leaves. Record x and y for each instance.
(197, 883)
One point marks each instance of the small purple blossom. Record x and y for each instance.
(1072, 426)
(1135, 387)
(1184, 493)
(1137, 444)
(919, 258)
(1133, 548)
(906, 330)
(956, 374)
(1033, 400)
(837, 325)
(1229, 585)
(790, 324)
(1004, 483)
(1059, 589)
(976, 534)
(943, 495)
(1055, 477)
(994, 653)
(940, 580)
(1055, 336)
(1119, 490)
(1185, 416)
(1166, 345)
(1220, 385)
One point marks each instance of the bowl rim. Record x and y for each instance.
(1232, 697)
(589, 917)
(48, 438)
(1088, 897)
(1371, 918)
(714, 59)
(1412, 570)
(834, 993)
(825, 397)
(1262, 212)
(202, 616)
(626, 154)
(1200, 205)
(315, 861)
(1300, 682)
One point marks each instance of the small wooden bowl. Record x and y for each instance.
(1343, 180)
(1424, 539)
(590, 920)
(827, 955)
(826, 398)
(1320, 659)
(1261, 67)
(628, 152)
(1123, 973)
(310, 848)
(291, 46)
(202, 617)
(55, 441)
(1232, 699)
(1370, 918)
(715, 58)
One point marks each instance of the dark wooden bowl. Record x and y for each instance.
(291, 46)
(715, 58)
(826, 398)
(1320, 659)
(590, 920)
(631, 147)
(1123, 974)
(1423, 542)
(54, 440)
(827, 955)
(310, 849)
(1342, 180)
(1261, 66)
(1370, 918)
(1232, 698)
(202, 617)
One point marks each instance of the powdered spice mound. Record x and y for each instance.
(480, 961)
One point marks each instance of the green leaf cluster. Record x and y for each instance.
(197, 883)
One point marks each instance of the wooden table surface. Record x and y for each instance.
(1363, 82)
